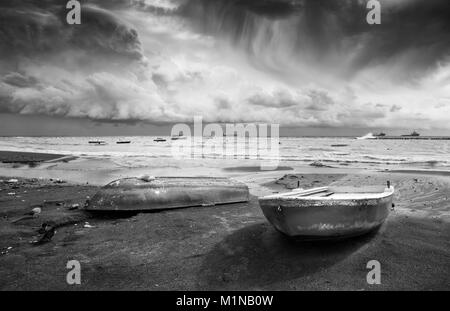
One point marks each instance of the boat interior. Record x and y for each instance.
(351, 193)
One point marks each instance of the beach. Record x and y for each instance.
(226, 247)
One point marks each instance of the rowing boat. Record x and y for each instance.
(156, 193)
(97, 142)
(328, 212)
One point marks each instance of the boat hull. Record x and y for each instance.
(326, 219)
(134, 194)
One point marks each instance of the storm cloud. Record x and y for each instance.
(333, 35)
(33, 28)
(295, 62)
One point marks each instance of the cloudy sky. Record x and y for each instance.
(300, 63)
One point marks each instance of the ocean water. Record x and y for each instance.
(290, 151)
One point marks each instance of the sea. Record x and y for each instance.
(142, 151)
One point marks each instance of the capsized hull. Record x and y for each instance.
(134, 194)
(326, 218)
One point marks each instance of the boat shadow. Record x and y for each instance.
(258, 255)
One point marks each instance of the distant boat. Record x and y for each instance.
(159, 139)
(339, 145)
(123, 142)
(178, 137)
(97, 142)
(328, 212)
(413, 134)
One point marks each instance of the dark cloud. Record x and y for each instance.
(395, 108)
(319, 101)
(412, 32)
(33, 28)
(270, 8)
(308, 101)
(101, 30)
(141, 5)
(19, 80)
(278, 99)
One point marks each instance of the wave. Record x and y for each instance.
(381, 161)
(367, 136)
(385, 159)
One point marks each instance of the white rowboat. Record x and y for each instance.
(328, 212)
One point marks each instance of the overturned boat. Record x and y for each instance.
(328, 212)
(155, 193)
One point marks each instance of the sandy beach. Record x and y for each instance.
(229, 247)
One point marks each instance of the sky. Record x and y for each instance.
(134, 66)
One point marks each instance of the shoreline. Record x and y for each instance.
(100, 170)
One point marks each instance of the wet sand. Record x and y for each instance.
(254, 169)
(222, 247)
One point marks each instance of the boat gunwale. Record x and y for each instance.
(282, 197)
